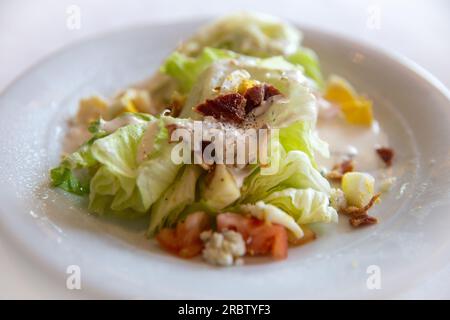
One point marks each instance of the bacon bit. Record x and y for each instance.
(359, 216)
(334, 175)
(257, 94)
(347, 166)
(386, 154)
(270, 91)
(340, 169)
(254, 97)
(308, 236)
(363, 220)
(227, 107)
(356, 211)
(234, 107)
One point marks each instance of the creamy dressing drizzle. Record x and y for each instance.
(239, 174)
(351, 141)
(75, 136)
(78, 133)
(147, 143)
(113, 125)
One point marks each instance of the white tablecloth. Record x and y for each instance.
(30, 30)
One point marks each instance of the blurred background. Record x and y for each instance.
(418, 29)
(30, 30)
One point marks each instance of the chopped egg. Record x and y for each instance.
(358, 188)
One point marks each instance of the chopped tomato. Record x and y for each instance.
(260, 237)
(236, 222)
(184, 240)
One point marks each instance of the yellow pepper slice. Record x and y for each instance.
(356, 109)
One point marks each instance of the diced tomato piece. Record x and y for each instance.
(184, 240)
(260, 237)
(236, 222)
(167, 239)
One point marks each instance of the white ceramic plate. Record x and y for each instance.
(410, 245)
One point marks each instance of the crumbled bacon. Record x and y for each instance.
(340, 169)
(228, 107)
(270, 91)
(363, 220)
(233, 107)
(386, 154)
(257, 94)
(359, 216)
(347, 166)
(334, 175)
(254, 97)
(356, 211)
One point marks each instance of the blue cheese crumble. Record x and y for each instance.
(223, 248)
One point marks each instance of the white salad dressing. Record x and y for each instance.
(113, 125)
(351, 141)
(147, 142)
(75, 136)
(78, 133)
(239, 174)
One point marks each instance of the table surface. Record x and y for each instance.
(30, 30)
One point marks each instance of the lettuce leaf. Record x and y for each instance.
(113, 187)
(107, 167)
(116, 195)
(270, 213)
(247, 33)
(295, 171)
(298, 102)
(117, 151)
(181, 193)
(72, 174)
(301, 136)
(304, 205)
(156, 174)
(185, 70)
(122, 183)
(64, 178)
(308, 59)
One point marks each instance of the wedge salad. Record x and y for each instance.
(220, 148)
